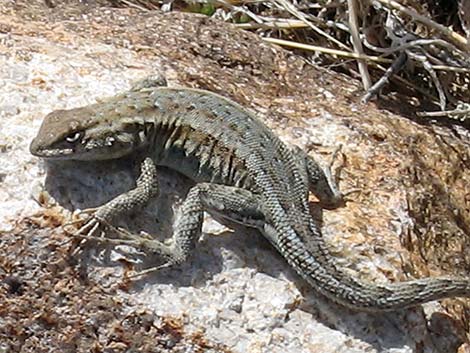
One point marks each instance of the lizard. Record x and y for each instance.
(242, 172)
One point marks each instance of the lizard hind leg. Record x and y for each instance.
(232, 203)
(321, 180)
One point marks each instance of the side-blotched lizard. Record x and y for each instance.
(243, 173)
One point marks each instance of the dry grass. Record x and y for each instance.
(416, 47)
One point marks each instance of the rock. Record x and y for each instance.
(410, 218)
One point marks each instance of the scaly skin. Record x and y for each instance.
(243, 173)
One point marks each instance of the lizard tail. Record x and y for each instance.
(313, 261)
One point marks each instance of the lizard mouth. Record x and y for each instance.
(49, 152)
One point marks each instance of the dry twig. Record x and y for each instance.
(458, 40)
(354, 28)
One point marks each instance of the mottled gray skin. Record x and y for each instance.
(243, 173)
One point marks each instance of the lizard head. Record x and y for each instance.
(83, 134)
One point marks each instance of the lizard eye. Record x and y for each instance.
(74, 137)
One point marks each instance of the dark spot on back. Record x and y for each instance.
(191, 107)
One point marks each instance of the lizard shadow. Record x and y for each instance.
(384, 331)
(89, 184)
(245, 248)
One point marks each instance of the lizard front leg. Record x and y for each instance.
(146, 188)
(235, 204)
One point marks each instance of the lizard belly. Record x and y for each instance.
(190, 167)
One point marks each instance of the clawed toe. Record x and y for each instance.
(334, 155)
(89, 228)
(150, 270)
(350, 192)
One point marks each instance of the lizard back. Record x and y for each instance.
(210, 138)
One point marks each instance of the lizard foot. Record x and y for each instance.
(337, 198)
(91, 228)
(342, 199)
(89, 225)
(143, 243)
